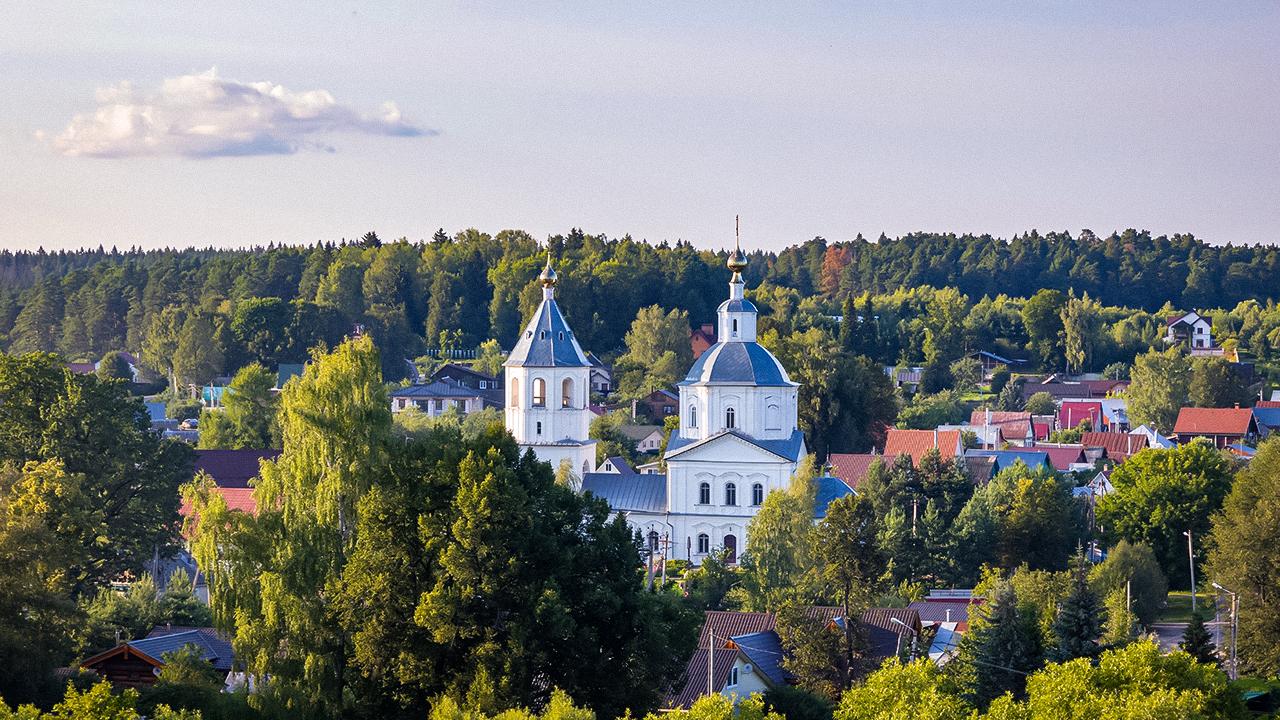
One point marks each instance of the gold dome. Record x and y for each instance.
(737, 262)
(548, 276)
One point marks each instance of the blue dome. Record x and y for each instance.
(738, 363)
(738, 305)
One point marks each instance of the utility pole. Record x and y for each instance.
(1191, 559)
(1235, 612)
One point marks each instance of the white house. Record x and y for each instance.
(1190, 329)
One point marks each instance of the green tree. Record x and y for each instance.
(1041, 403)
(248, 416)
(1159, 388)
(1159, 494)
(37, 323)
(114, 366)
(1116, 371)
(198, 355)
(1215, 384)
(1082, 331)
(851, 566)
(491, 358)
(926, 412)
(1003, 646)
(1245, 542)
(1042, 319)
(1079, 621)
(774, 569)
(917, 691)
(1000, 378)
(160, 343)
(1136, 565)
(944, 325)
(1197, 642)
(818, 654)
(708, 585)
(658, 351)
(967, 372)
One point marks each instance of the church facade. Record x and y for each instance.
(738, 439)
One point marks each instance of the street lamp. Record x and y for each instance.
(1235, 607)
(1191, 559)
(914, 635)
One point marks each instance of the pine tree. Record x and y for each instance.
(1005, 648)
(1197, 642)
(1078, 625)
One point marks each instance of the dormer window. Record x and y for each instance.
(542, 335)
(562, 335)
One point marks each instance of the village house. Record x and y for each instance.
(1222, 426)
(440, 396)
(702, 338)
(648, 438)
(1190, 330)
(137, 663)
(915, 443)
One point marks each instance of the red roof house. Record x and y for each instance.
(1223, 426)
(1071, 414)
(702, 338)
(917, 442)
(1118, 446)
(852, 467)
(1015, 427)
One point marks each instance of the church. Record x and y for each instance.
(737, 441)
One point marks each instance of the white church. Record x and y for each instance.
(737, 441)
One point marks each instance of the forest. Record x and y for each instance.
(200, 313)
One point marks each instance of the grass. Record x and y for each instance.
(1177, 607)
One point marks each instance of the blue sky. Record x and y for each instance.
(662, 120)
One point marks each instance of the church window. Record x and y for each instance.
(539, 428)
(704, 494)
(757, 494)
(566, 393)
(704, 543)
(730, 494)
(693, 416)
(542, 335)
(653, 541)
(729, 418)
(515, 392)
(735, 327)
(539, 392)
(562, 335)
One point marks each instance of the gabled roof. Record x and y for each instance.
(444, 388)
(455, 369)
(1189, 318)
(639, 432)
(933, 611)
(547, 341)
(764, 650)
(1064, 456)
(980, 469)
(232, 468)
(788, 449)
(830, 489)
(621, 465)
(917, 442)
(212, 646)
(725, 624)
(1119, 446)
(640, 492)
(992, 356)
(1214, 421)
(1072, 413)
(695, 676)
(1005, 459)
(852, 467)
(1013, 425)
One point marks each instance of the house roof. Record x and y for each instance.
(695, 677)
(1213, 421)
(980, 469)
(1269, 416)
(621, 465)
(789, 449)
(639, 432)
(1005, 459)
(883, 634)
(738, 363)
(82, 368)
(933, 611)
(1119, 446)
(986, 434)
(212, 646)
(1072, 413)
(852, 467)
(992, 356)
(232, 468)
(917, 442)
(1013, 425)
(830, 489)
(639, 492)
(730, 623)
(764, 650)
(1062, 457)
(444, 388)
(287, 371)
(547, 341)
(236, 498)
(455, 369)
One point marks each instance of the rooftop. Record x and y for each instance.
(1213, 421)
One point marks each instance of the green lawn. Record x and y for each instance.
(1178, 606)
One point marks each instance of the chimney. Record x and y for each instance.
(948, 614)
(935, 438)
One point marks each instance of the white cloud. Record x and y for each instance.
(208, 116)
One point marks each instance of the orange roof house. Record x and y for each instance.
(1015, 427)
(1221, 425)
(852, 467)
(917, 442)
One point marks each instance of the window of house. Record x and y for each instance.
(668, 409)
(484, 385)
(566, 393)
(730, 494)
(461, 405)
(542, 335)
(733, 677)
(704, 544)
(400, 403)
(704, 493)
(757, 494)
(562, 335)
(729, 418)
(539, 392)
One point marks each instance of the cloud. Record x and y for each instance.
(208, 116)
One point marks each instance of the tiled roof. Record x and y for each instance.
(212, 647)
(830, 489)
(629, 493)
(1267, 404)
(917, 442)
(1014, 426)
(729, 623)
(237, 498)
(232, 468)
(789, 448)
(547, 341)
(1062, 457)
(852, 467)
(1119, 446)
(737, 363)
(1213, 421)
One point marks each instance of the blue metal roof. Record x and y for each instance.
(628, 493)
(738, 363)
(764, 649)
(436, 389)
(211, 647)
(830, 489)
(547, 341)
(1007, 458)
(739, 305)
(789, 448)
(1268, 416)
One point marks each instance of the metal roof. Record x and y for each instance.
(830, 489)
(646, 492)
(211, 647)
(437, 389)
(232, 468)
(547, 341)
(790, 448)
(764, 650)
(738, 363)
(737, 305)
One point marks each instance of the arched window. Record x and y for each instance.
(704, 544)
(566, 393)
(735, 327)
(515, 392)
(729, 418)
(693, 416)
(731, 548)
(539, 392)
(757, 494)
(704, 494)
(730, 494)
(653, 541)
